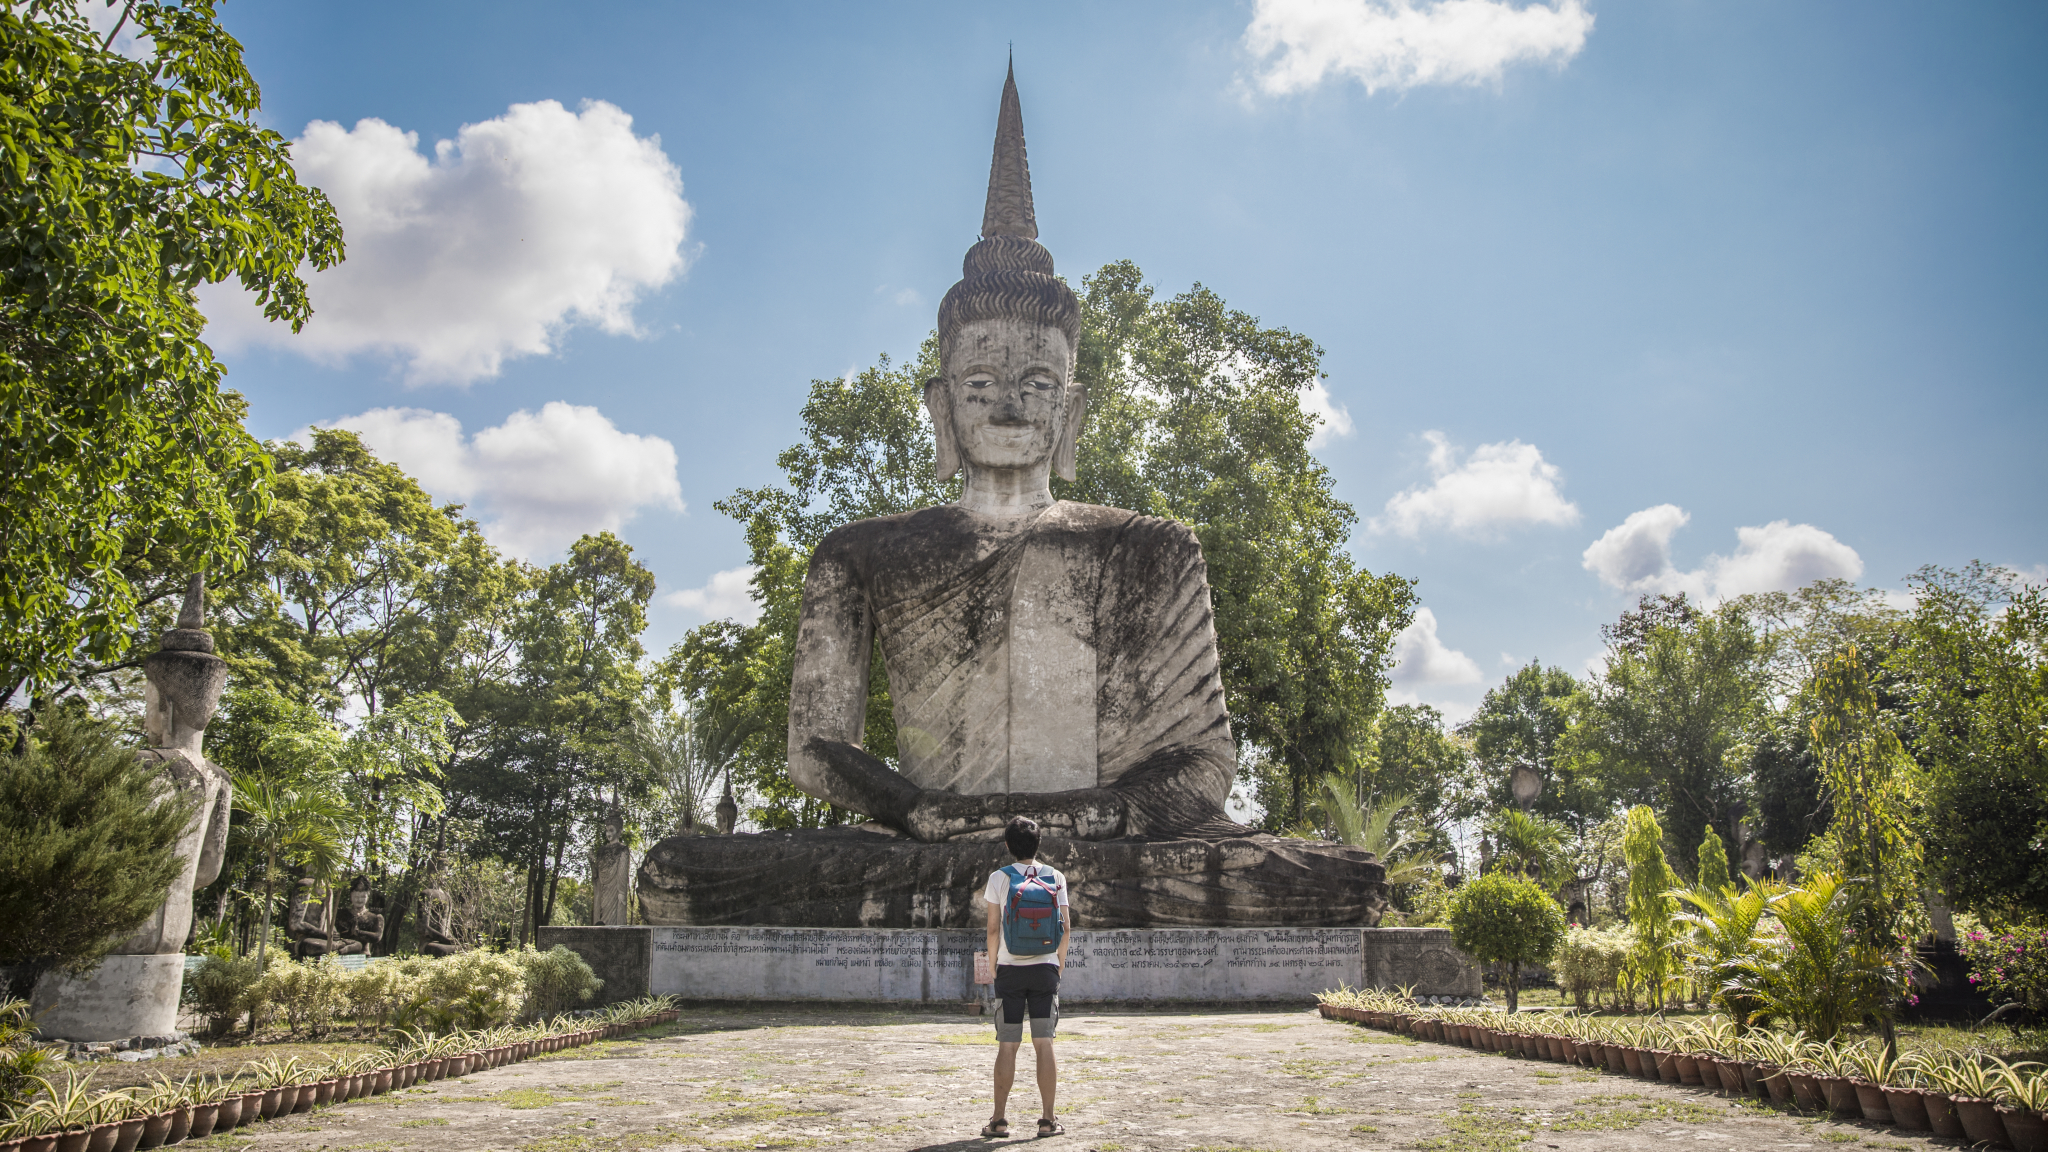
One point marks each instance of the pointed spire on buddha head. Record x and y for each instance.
(184, 678)
(1007, 279)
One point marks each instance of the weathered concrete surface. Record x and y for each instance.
(128, 996)
(620, 955)
(1422, 957)
(828, 1078)
(854, 878)
(1207, 965)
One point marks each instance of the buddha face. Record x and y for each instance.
(1005, 394)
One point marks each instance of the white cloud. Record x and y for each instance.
(539, 480)
(1421, 659)
(1498, 485)
(1317, 401)
(1401, 44)
(1635, 556)
(726, 596)
(517, 229)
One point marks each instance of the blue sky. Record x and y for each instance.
(1601, 285)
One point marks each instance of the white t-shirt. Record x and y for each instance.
(998, 894)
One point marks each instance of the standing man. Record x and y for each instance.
(1027, 908)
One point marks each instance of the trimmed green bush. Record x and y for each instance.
(1505, 918)
(556, 981)
(1589, 962)
(221, 989)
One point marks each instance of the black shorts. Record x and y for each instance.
(1027, 991)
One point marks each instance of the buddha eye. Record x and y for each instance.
(978, 381)
(1040, 383)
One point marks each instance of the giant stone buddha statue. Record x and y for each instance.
(1045, 658)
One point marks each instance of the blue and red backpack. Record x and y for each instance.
(1031, 917)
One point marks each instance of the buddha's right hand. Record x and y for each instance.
(948, 815)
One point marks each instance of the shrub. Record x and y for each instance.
(384, 992)
(220, 989)
(309, 993)
(473, 990)
(1713, 862)
(1505, 918)
(556, 981)
(1650, 907)
(1589, 961)
(88, 846)
(2012, 965)
(21, 1060)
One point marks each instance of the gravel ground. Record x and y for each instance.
(1129, 1081)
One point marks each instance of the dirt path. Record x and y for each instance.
(1152, 1081)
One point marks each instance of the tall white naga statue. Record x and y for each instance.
(135, 992)
(1045, 658)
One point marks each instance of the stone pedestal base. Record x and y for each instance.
(1139, 966)
(128, 996)
(858, 878)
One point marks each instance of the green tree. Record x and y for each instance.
(88, 846)
(1668, 723)
(1377, 829)
(1650, 907)
(1713, 863)
(1531, 846)
(1193, 413)
(1520, 725)
(1410, 754)
(1975, 672)
(1864, 768)
(128, 183)
(288, 792)
(1503, 918)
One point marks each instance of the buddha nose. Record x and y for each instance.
(1010, 407)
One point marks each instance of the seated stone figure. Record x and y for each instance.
(437, 916)
(1045, 658)
(310, 922)
(362, 916)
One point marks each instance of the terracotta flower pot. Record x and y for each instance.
(1909, 1108)
(1981, 1124)
(2024, 1129)
(1753, 1078)
(1777, 1082)
(131, 1134)
(203, 1117)
(1688, 1068)
(76, 1139)
(1667, 1066)
(155, 1130)
(1841, 1094)
(304, 1096)
(269, 1101)
(181, 1123)
(1942, 1118)
(1617, 1057)
(1870, 1099)
(323, 1093)
(229, 1116)
(42, 1142)
(101, 1137)
(380, 1082)
(1806, 1091)
(1630, 1060)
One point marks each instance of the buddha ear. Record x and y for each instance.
(939, 402)
(1070, 435)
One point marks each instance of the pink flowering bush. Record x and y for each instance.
(2010, 965)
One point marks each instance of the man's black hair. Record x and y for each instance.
(1021, 837)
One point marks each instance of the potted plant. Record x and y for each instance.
(2023, 1097)
(1973, 1090)
(1871, 1069)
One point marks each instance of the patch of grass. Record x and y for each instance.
(1363, 1129)
(1419, 1060)
(1309, 1068)
(1473, 1130)
(1468, 1095)
(1382, 1038)
(429, 1122)
(1261, 1027)
(1621, 1112)
(1838, 1137)
(1314, 1106)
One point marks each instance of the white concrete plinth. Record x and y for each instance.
(1134, 965)
(128, 996)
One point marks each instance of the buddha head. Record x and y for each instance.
(183, 679)
(1005, 397)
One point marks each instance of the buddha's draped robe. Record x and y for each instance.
(1076, 652)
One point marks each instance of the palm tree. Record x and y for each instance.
(1825, 977)
(1375, 829)
(298, 820)
(687, 751)
(1532, 846)
(1721, 940)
